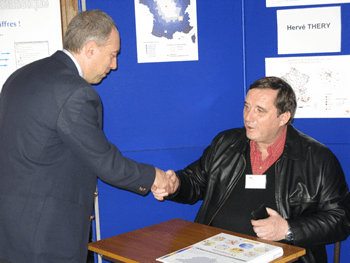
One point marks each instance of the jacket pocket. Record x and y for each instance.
(303, 207)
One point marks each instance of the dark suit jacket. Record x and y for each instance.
(52, 148)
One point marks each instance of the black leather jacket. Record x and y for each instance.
(311, 191)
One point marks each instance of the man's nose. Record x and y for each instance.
(114, 64)
(247, 115)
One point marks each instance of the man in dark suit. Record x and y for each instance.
(52, 148)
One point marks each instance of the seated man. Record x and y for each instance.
(270, 162)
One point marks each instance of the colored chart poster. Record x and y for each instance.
(321, 84)
(275, 3)
(29, 30)
(225, 248)
(166, 30)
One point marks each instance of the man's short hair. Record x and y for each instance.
(86, 26)
(285, 99)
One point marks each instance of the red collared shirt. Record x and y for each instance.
(275, 150)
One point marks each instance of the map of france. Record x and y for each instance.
(169, 17)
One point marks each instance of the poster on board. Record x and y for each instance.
(29, 30)
(321, 83)
(166, 30)
(276, 3)
(308, 30)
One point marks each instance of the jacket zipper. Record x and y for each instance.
(277, 179)
(239, 177)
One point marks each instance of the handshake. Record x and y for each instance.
(165, 184)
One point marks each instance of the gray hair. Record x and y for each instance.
(86, 26)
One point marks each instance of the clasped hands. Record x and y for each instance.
(165, 183)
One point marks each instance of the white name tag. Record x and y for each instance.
(255, 181)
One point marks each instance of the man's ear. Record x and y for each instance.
(284, 118)
(90, 49)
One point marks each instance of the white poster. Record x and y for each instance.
(321, 84)
(29, 30)
(309, 30)
(275, 3)
(166, 30)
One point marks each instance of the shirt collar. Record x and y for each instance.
(274, 148)
(75, 62)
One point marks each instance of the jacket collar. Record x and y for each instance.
(64, 58)
(292, 147)
(241, 144)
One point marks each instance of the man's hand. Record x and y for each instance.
(272, 228)
(167, 184)
(164, 184)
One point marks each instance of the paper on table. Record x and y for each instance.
(225, 248)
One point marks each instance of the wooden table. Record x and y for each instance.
(149, 243)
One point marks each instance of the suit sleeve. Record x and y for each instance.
(79, 126)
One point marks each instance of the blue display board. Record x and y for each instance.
(166, 113)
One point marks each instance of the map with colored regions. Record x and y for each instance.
(320, 83)
(170, 16)
(166, 30)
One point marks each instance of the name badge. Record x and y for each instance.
(255, 181)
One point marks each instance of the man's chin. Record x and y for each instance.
(250, 135)
(97, 81)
